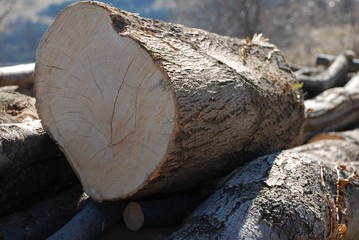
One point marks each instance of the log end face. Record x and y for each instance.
(104, 101)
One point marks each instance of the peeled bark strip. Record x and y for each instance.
(91, 222)
(287, 195)
(333, 110)
(21, 75)
(41, 220)
(140, 106)
(336, 71)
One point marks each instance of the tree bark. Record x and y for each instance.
(314, 85)
(309, 192)
(33, 183)
(333, 110)
(91, 222)
(41, 220)
(21, 129)
(123, 94)
(21, 75)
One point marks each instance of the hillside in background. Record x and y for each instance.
(301, 29)
(20, 38)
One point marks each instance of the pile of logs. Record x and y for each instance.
(150, 130)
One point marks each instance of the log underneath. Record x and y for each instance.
(33, 183)
(90, 223)
(41, 220)
(326, 60)
(299, 193)
(140, 106)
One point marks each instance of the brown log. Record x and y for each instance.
(333, 110)
(33, 183)
(44, 218)
(141, 106)
(92, 221)
(314, 85)
(326, 60)
(21, 75)
(21, 129)
(309, 192)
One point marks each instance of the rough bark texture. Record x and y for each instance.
(287, 195)
(21, 129)
(33, 183)
(21, 75)
(329, 78)
(173, 104)
(41, 220)
(333, 110)
(90, 223)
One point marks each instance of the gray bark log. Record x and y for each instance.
(227, 100)
(21, 129)
(333, 110)
(283, 196)
(314, 85)
(326, 60)
(44, 218)
(91, 222)
(33, 183)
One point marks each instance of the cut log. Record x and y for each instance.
(314, 85)
(299, 193)
(333, 110)
(41, 220)
(91, 222)
(21, 75)
(140, 106)
(159, 212)
(326, 60)
(33, 183)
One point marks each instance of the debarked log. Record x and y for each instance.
(44, 218)
(309, 192)
(140, 106)
(333, 110)
(21, 75)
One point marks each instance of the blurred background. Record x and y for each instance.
(301, 29)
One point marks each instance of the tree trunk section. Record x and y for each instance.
(288, 195)
(141, 106)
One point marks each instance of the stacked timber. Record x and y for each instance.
(176, 133)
